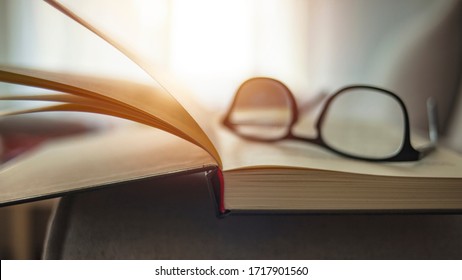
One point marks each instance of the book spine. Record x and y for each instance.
(216, 184)
(221, 180)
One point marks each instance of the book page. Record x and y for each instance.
(126, 154)
(238, 153)
(73, 103)
(158, 107)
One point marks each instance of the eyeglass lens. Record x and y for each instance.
(364, 122)
(262, 110)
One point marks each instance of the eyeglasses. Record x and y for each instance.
(359, 121)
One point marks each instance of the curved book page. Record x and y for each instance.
(158, 108)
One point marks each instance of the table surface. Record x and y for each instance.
(175, 218)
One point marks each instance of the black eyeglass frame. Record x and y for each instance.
(406, 152)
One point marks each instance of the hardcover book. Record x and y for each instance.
(247, 174)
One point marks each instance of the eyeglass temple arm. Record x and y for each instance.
(432, 127)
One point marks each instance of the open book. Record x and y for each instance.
(251, 175)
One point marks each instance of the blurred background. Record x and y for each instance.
(411, 47)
